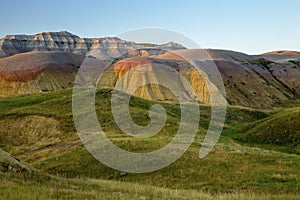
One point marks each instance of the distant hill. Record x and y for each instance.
(102, 48)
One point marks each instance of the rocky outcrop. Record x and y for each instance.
(9, 163)
(102, 48)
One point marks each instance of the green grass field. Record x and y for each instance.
(250, 160)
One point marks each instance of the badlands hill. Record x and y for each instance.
(36, 72)
(102, 48)
(50, 61)
(281, 55)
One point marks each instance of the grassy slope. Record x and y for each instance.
(230, 168)
(279, 131)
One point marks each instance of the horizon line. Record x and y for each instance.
(114, 36)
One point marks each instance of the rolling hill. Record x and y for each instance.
(235, 169)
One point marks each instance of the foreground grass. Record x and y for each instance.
(227, 169)
(37, 186)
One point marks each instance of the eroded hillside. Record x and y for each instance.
(50, 61)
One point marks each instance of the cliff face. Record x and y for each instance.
(136, 72)
(102, 48)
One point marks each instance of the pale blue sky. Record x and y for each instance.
(250, 26)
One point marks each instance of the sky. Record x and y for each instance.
(250, 26)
